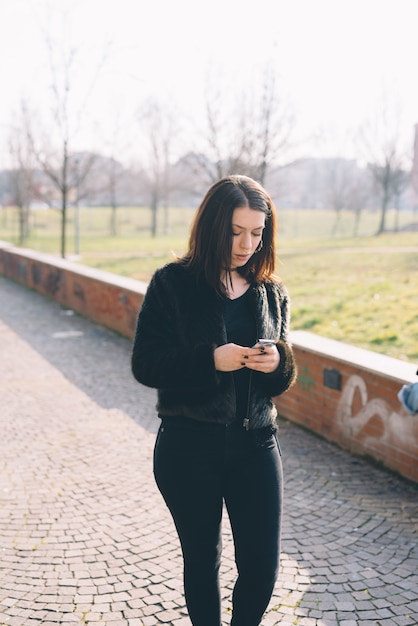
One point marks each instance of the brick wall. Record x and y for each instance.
(349, 396)
(106, 298)
(344, 394)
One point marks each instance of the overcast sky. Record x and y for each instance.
(335, 57)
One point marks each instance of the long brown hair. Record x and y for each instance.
(210, 241)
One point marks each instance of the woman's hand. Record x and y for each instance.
(264, 359)
(231, 357)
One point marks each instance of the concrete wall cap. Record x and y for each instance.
(123, 282)
(403, 371)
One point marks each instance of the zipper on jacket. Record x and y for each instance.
(246, 422)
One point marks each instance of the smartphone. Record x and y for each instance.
(264, 342)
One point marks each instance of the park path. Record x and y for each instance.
(85, 537)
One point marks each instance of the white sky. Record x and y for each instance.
(334, 56)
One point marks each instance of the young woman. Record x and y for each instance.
(200, 320)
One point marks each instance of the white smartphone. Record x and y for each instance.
(264, 342)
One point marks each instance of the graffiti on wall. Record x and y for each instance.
(305, 380)
(53, 281)
(36, 273)
(78, 292)
(373, 420)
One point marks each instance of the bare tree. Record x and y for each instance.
(114, 173)
(359, 194)
(21, 175)
(113, 177)
(346, 186)
(401, 180)
(414, 171)
(159, 124)
(268, 127)
(250, 134)
(109, 184)
(337, 180)
(382, 145)
(52, 148)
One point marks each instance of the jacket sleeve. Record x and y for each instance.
(160, 358)
(285, 375)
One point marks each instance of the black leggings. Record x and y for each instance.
(198, 467)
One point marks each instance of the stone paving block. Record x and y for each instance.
(406, 620)
(84, 531)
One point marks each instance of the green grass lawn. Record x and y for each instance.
(362, 291)
(366, 297)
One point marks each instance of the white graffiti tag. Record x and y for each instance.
(398, 429)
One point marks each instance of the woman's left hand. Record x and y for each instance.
(264, 359)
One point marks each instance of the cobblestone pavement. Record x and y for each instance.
(85, 537)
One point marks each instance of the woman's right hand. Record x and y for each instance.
(229, 357)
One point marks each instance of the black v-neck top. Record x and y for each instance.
(240, 329)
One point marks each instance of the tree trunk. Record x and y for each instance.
(154, 216)
(384, 207)
(64, 194)
(356, 223)
(113, 229)
(63, 221)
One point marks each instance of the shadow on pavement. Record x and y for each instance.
(93, 358)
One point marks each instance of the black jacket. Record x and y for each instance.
(179, 326)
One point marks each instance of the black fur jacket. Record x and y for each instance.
(179, 326)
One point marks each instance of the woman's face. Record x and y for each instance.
(247, 230)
